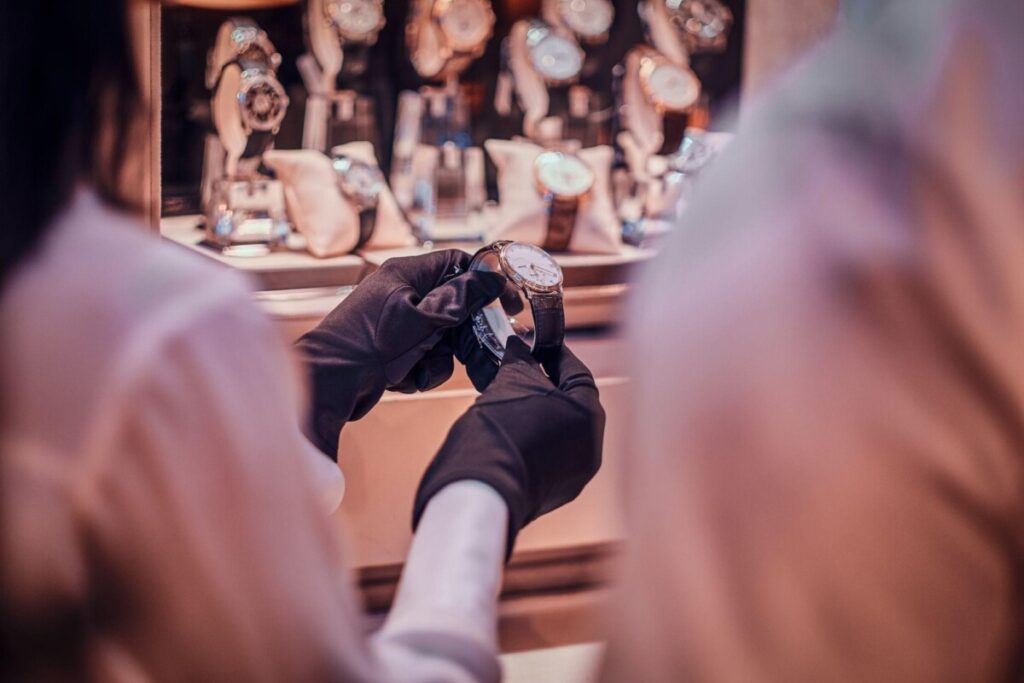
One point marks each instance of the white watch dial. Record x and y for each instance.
(534, 265)
(565, 175)
(557, 58)
(356, 18)
(673, 86)
(466, 23)
(587, 18)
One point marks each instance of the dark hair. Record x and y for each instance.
(71, 107)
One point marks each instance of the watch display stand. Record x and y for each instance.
(437, 175)
(244, 211)
(334, 117)
(523, 212)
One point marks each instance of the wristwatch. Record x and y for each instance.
(239, 38)
(702, 24)
(531, 305)
(673, 90)
(463, 26)
(553, 53)
(262, 102)
(358, 23)
(564, 180)
(361, 183)
(589, 21)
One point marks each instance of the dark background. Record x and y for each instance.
(188, 33)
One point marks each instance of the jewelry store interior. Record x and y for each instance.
(305, 143)
(465, 341)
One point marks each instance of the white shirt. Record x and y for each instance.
(156, 486)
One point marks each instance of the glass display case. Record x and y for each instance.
(305, 143)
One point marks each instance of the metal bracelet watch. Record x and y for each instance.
(564, 180)
(357, 23)
(531, 307)
(673, 90)
(361, 183)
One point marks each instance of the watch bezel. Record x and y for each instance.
(546, 191)
(649, 64)
(249, 80)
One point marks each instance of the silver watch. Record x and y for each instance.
(554, 54)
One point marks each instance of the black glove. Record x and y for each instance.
(536, 439)
(390, 333)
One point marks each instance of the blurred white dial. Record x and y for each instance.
(557, 58)
(673, 86)
(467, 23)
(356, 18)
(587, 18)
(565, 175)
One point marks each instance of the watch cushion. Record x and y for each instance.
(392, 230)
(522, 214)
(316, 206)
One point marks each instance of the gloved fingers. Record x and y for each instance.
(567, 371)
(519, 366)
(453, 302)
(429, 372)
(480, 365)
(424, 272)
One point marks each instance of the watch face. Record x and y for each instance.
(673, 86)
(587, 18)
(359, 180)
(563, 175)
(262, 101)
(534, 266)
(467, 23)
(557, 58)
(356, 18)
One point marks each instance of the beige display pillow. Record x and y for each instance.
(392, 230)
(315, 204)
(522, 212)
(322, 214)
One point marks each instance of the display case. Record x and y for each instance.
(317, 111)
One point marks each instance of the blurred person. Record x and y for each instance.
(827, 441)
(159, 516)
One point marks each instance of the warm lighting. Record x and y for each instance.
(230, 4)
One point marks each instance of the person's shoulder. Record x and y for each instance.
(96, 303)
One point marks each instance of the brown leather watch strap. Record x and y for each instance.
(561, 222)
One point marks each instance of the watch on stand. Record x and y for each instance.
(262, 101)
(357, 23)
(361, 183)
(531, 307)
(557, 58)
(589, 21)
(461, 29)
(702, 24)
(674, 91)
(564, 180)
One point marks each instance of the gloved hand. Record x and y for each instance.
(390, 333)
(535, 438)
